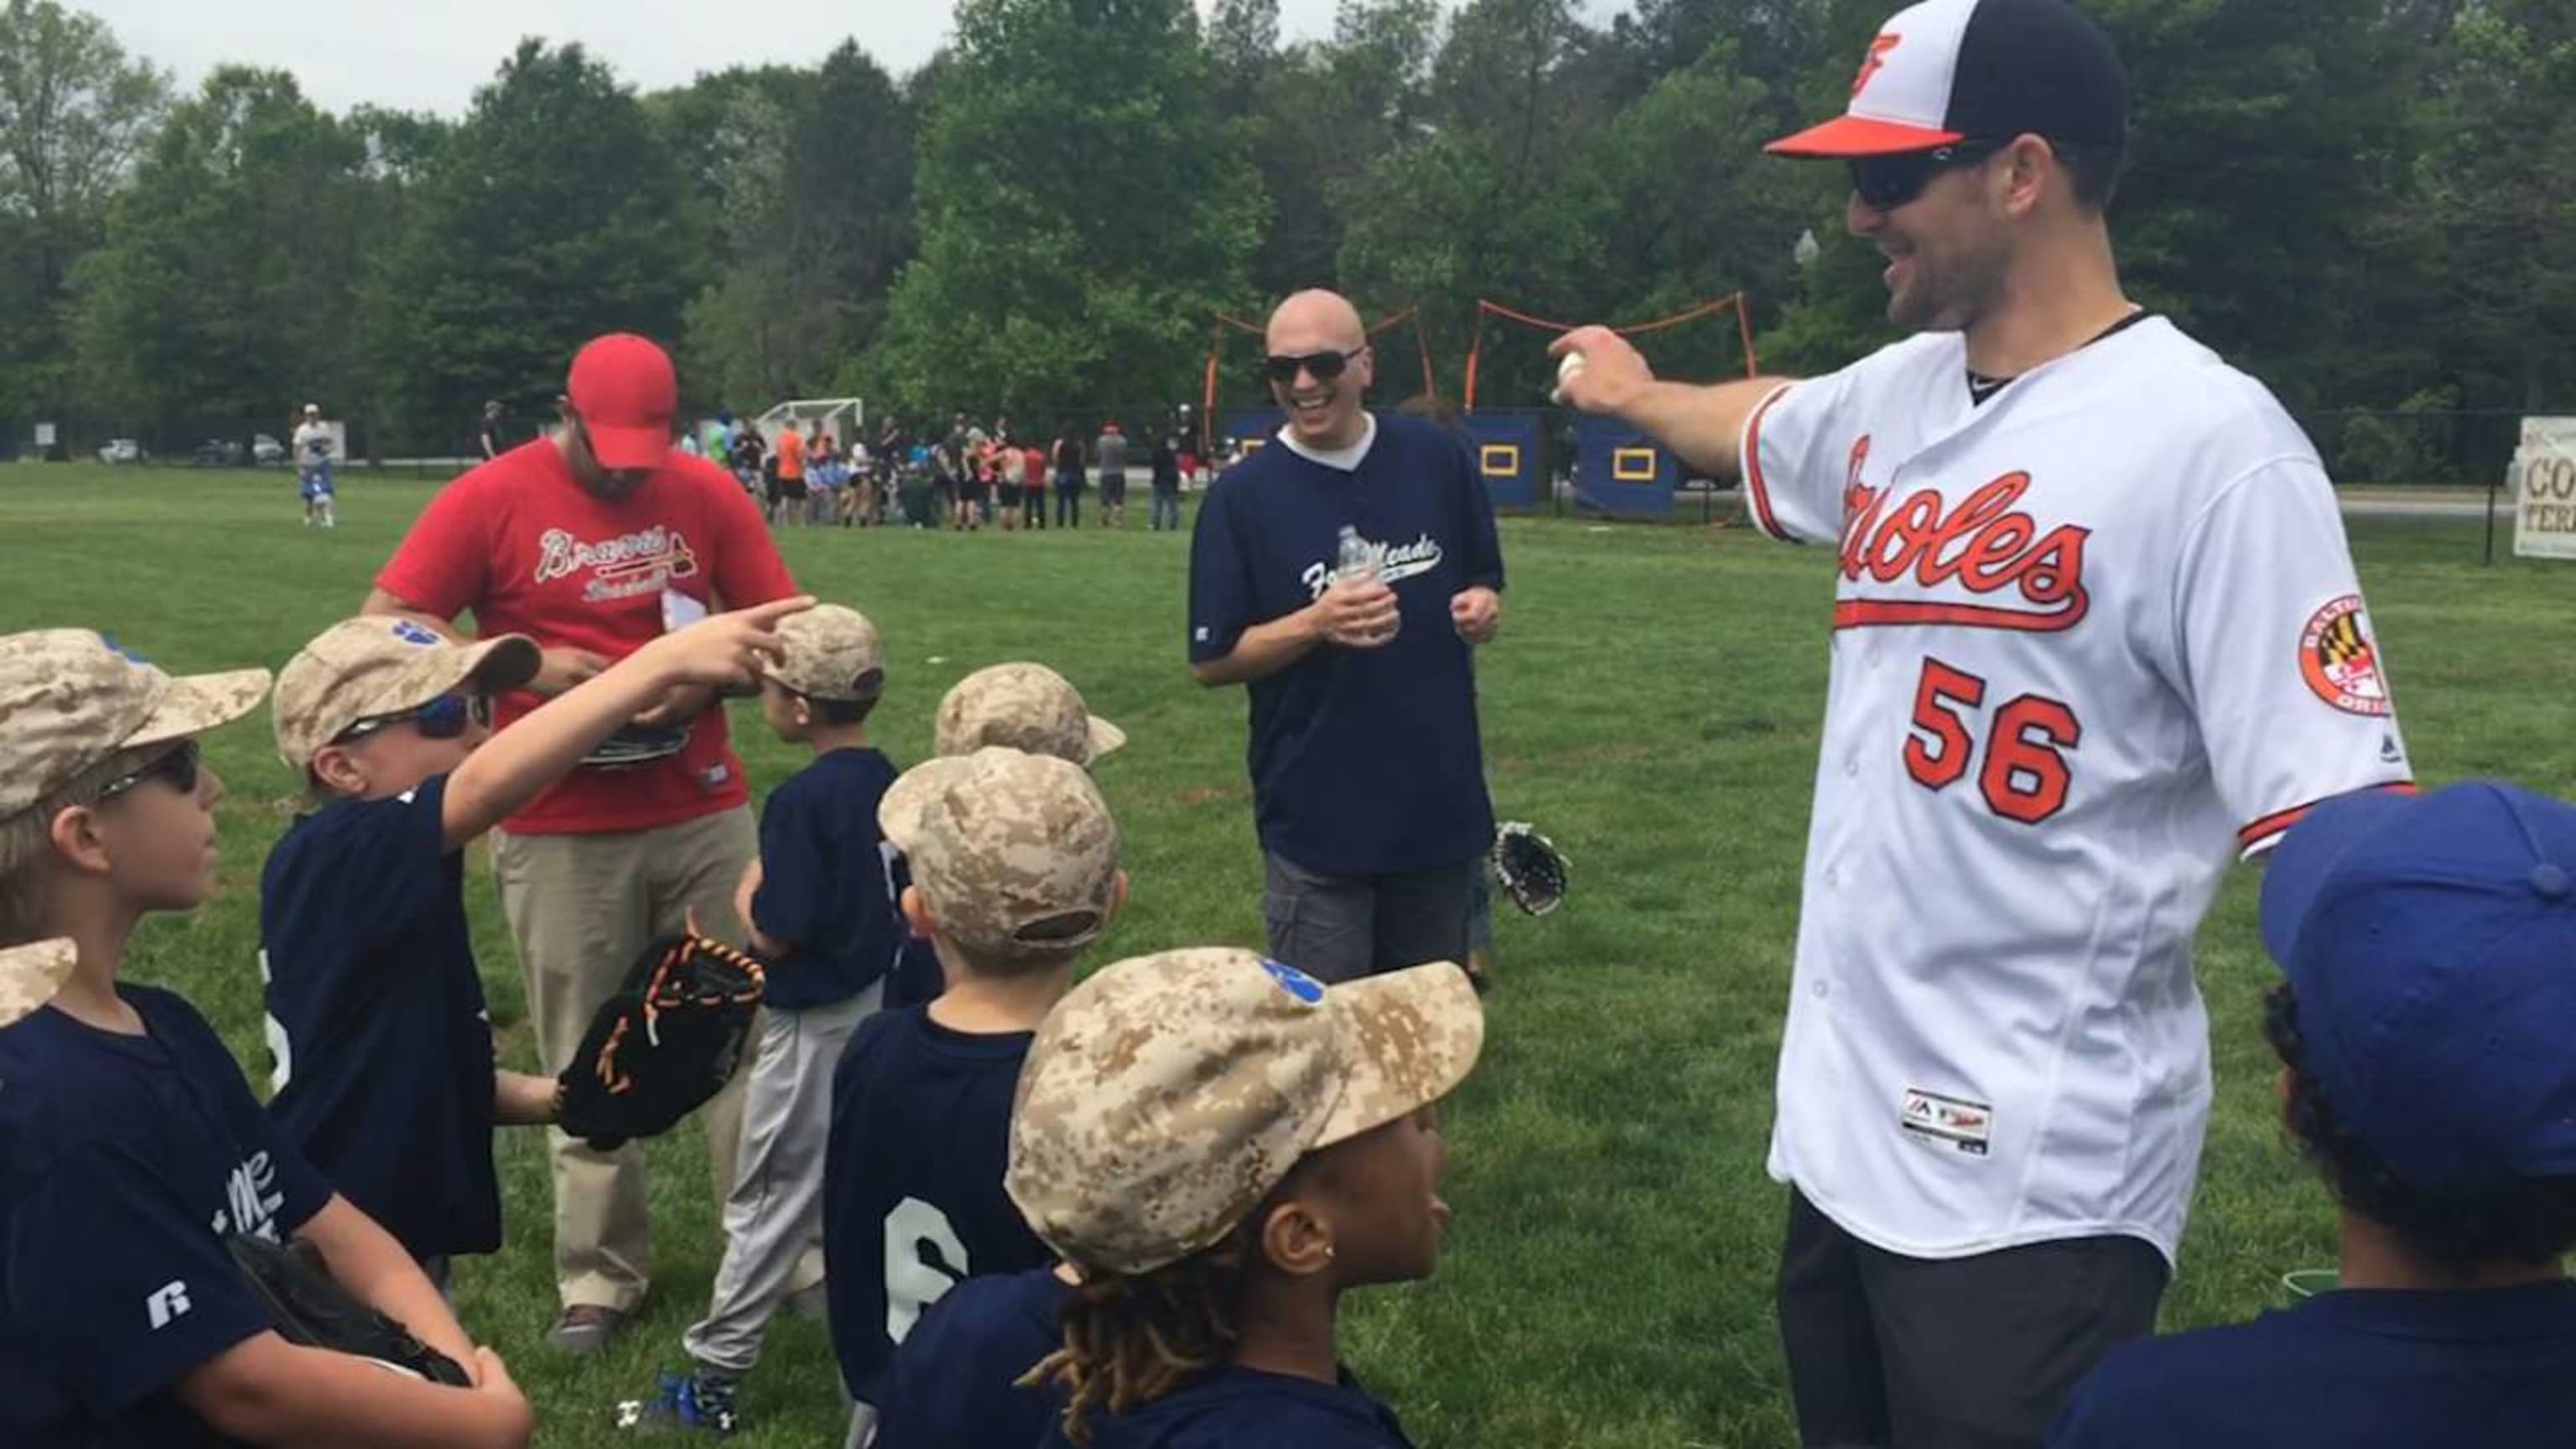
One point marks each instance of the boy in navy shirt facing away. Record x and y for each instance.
(2428, 947)
(1368, 772)
(132, 1146)
(959, 1380)
(1020, 706)
(1222, 1147)
(384, 1069)
(820, 902)
(1014, 873)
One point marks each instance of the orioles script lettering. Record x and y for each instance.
(2025, 580)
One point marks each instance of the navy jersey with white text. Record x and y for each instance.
(129, 1159)
(912, 1180)
(1363, 760)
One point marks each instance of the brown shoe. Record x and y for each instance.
(585, 1328)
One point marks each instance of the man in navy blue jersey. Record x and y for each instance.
(1368, 771)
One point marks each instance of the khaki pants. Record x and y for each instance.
(580, 907)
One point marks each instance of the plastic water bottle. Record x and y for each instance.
(1357, 563)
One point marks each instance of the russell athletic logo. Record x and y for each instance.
(2022, 579)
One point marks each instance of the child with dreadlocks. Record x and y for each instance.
(2429, 951)
(1220, 1147)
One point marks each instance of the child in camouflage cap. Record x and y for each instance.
(1221, 1146)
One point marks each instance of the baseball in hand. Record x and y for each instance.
(1566, 367)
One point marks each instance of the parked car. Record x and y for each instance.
(218, 453)
(266, 450)
(121, 450)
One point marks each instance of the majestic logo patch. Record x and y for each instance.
(1938, 1121)
(2340, 660)
(1985, 546)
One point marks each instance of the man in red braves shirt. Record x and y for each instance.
(593, 541)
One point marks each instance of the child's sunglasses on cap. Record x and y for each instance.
(442, 718)
(178, 766)
(1885, 183)
(1325, 365)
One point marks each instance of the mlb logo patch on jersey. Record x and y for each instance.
(1938, 1121)
(2340, 660)
(1293, 981)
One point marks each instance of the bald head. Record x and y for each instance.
(1315, 321)
(1319, 368)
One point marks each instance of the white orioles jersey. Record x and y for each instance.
(2089, 639)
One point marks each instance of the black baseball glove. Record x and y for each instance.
(670, 1038)
(314, 1311)
(1529, 867)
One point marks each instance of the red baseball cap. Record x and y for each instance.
(623, 388)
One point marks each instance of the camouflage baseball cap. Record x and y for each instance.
(1026, 707)
(829, 649)
(31, 974)
(381, 664)
(69, 699)
(1167, 1095)
(1009, 850)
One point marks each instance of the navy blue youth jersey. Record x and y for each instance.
(1363, 760)
(955, 1382)
(381, 1042)
(912, 1180)
(128, 1160)
(1241, 1408)
(2351, 1370)
(827, 883)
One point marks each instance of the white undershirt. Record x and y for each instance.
(1345, 459)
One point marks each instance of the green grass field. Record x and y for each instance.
(1653, 704)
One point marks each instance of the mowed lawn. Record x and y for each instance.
(1653, 704)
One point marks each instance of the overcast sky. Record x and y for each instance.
(431, 57)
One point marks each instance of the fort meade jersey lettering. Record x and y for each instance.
(2090, 639)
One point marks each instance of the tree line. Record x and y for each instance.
(2369, 203)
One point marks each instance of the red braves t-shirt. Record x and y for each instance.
(521, 543)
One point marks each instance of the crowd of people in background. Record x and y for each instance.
(966, 476)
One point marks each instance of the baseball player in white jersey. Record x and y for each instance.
(2096, 630)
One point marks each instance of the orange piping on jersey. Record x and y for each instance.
(2281, 820)
(1754, 488)
(1898, 613)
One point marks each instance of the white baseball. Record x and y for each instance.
(1566, 367)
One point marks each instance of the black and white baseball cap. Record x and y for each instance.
(1949, 70)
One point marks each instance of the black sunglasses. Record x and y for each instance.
(442, 718)
(1885, 183)
(178, 766)
(1325, 366)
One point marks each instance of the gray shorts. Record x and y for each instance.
(1343, 927)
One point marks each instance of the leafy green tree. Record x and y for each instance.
(553, 213)
(812, 180)
(75, 114)
(1084, 208)
(221, 295)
